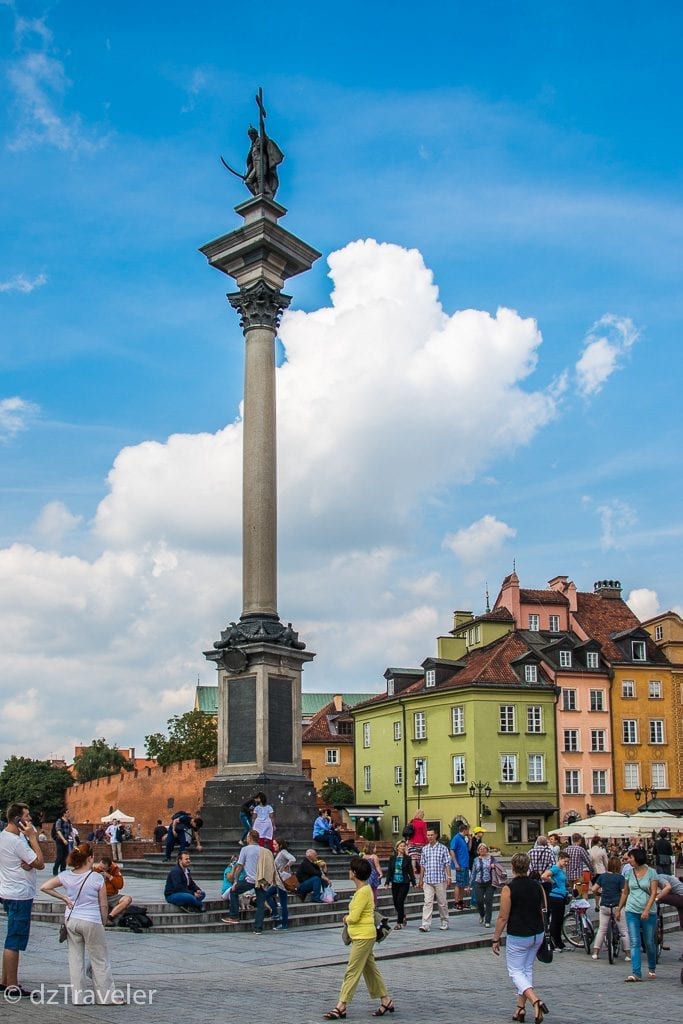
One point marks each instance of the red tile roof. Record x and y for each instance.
(602, 617)
(542, 597)
(319, 730)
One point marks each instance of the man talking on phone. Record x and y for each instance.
(20, 858)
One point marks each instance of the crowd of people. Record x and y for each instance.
(265, 876)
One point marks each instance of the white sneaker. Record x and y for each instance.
(423, 929)
(595, 956)
(444, 926)
(627, 957)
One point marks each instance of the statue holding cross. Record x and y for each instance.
(262, 159)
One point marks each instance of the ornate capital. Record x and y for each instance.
(259, 305)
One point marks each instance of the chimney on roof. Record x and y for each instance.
(609, 590)
(338, 703)
(460, 618)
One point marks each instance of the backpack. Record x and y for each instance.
(53, 830)
(136, 918)
(408, 831)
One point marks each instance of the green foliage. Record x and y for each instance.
(192, 735)
(36, 783)
(98, 760)
(337, 794)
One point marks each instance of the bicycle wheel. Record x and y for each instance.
(609, 939)
(588, 933)
(659, 935)
(572, 930)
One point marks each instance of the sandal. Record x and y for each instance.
(632, 977)
(540, 1009)
(519, 1014)
(335, 1014)
(651, 974)
(384, 1008)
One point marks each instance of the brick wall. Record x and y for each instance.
(143, 794)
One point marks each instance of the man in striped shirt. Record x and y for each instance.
(435, 878)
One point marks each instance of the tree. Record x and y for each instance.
(193, 735)
(36, 783)
(336, 794)
(100, 759)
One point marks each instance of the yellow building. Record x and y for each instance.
(327, 744)
(666, 629)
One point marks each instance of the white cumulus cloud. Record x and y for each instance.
(605, 348)
(23, 284)
(15, 415)
(384, 399)
(54, 523)
(616, 516)
(644, 603)
(481, 540)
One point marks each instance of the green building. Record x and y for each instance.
(467, 736)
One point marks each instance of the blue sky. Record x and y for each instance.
(522, 157)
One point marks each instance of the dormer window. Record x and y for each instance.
(638, 650)
(592, 659)
(390, 687)
(430, 677)
(531, 673)
(659, 632)
(565, 659)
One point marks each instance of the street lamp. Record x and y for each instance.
(644, 791)
(419, 765)
(478, 788)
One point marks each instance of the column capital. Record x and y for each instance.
(259, 305)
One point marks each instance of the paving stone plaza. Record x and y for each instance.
(295, 976)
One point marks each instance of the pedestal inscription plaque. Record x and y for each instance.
(242, 720)
(280, 709)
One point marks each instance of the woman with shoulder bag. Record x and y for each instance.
(86, 899)
(522, 901)
(360, 922)
(483, 883)
(284, 860)
(400, 876)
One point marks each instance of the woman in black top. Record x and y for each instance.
(400, 876)
(522, 901)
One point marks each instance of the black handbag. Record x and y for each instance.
(544, 953)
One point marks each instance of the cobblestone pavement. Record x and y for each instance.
(295, 976)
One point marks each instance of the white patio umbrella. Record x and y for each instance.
(608, 824)
(646, 821)
(117, 816)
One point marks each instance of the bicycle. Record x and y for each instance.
(577, 928)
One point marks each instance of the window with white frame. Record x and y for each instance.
(654, 689)
(398, 731)
(420, 771)
(534, 718)
(572, 781)
(569, 702)
(565, 659)
(366, 734)
(459, 777)
(332, 755)
(599, 782)
(508, 768)
(571, 741)
(592, 659)
(629, 730)
(395, 824)
(531, 673)
(631, 776)
(457, 720)
(507, 718)
(420, 725)
(398, 775)
(638, 650)
(658, 775)
(597, 700)
(430, 677)
(657, 730)
(554, 623)
(659, 632)
(536, 768)
(598, 741)
(477, 634)
(367, 778)
(534, 623)
(628, 688)
(390, 687)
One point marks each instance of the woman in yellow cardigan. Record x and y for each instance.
(360, 921)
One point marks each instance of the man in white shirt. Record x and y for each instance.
(20, 858)
(113, 834)
(245, 879)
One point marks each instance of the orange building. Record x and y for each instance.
(666, 629)
(327, 744)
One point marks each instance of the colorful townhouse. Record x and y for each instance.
(467, 737)
(624, 697)
(666, 629)
(575, 665)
